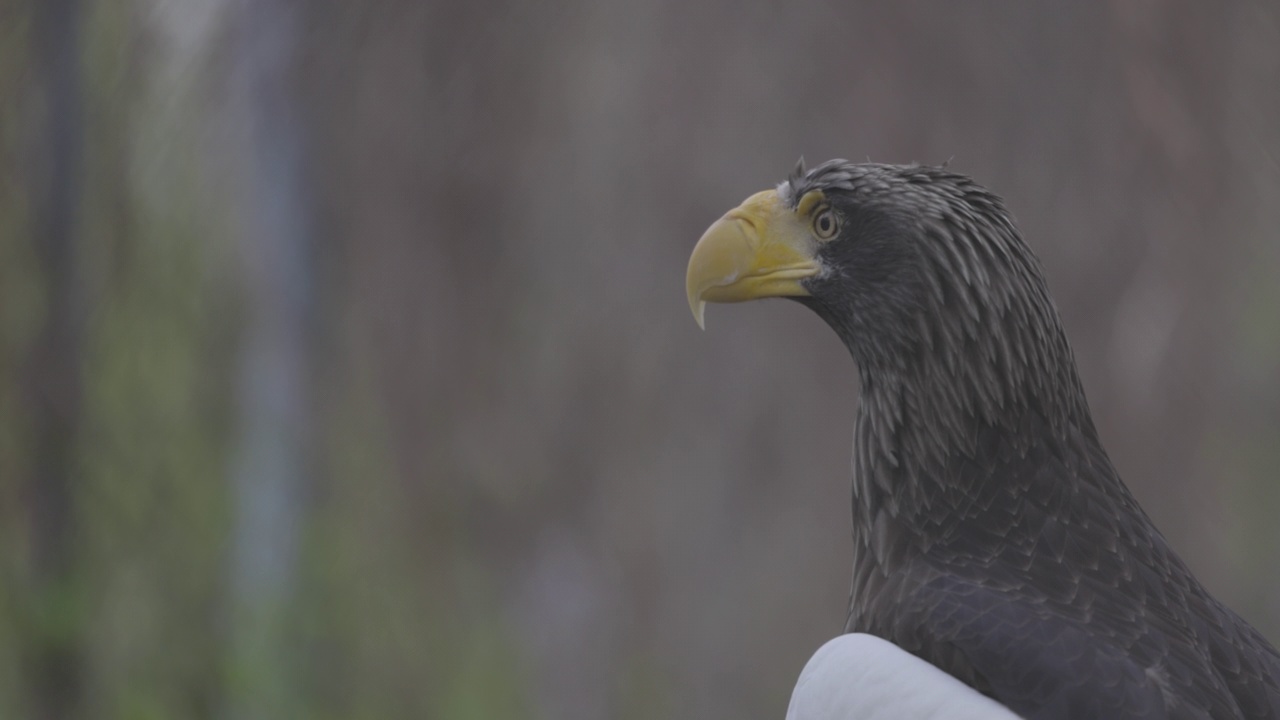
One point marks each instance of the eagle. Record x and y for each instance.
(992, 537)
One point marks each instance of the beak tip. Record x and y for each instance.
(699, 313)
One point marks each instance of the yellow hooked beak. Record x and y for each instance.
(762, 248)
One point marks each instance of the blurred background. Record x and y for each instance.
(346, 369)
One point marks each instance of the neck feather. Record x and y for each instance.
(979, 365)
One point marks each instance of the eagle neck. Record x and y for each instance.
(933, 415)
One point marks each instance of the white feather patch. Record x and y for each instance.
(861, 677)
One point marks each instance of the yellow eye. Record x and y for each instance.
(825, 224)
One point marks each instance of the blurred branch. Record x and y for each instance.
(270, 474)
(53, 374)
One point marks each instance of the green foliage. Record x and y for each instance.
(480, 683)
(154, 499)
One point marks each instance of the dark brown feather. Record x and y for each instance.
(992, 535)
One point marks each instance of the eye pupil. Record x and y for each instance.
(825, 224)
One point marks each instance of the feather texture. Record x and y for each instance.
(993, 537)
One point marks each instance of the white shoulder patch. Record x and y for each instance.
(861, 677)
